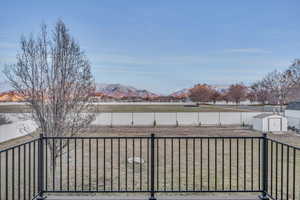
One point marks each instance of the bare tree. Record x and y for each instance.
(251, 96)
(54, 77)
(294, 71)
(279, 85)
(4, 120)
(260, 92)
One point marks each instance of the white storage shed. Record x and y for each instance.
(269, 122)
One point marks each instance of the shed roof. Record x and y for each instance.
(264, 115)
(293, 106)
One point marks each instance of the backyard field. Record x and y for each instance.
(90, 164)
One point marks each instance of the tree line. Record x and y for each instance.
(207, 93)
(276, 87)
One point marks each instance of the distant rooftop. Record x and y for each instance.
(264, 115)
(293, 106)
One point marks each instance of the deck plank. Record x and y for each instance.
(188, 197)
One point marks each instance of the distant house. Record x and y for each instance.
(295, 105)
(10, 96)
(292, 112)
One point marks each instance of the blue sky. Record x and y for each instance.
(166, 45)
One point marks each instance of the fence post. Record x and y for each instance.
(264, 196)
(40, 172)
(152, 148)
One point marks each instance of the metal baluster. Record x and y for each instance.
(90, 165)
(141, 175)
(126, 164)
(201, 164)
(119, 163)
(179, 161)
(245, 162)
(172, 164)
(97, 164)
(133, 164)
(165, 158)
(271, 168)
(75, 164)
(208, 162)
(251, 163)
(223, 165)
(186, 164)
(287, 171)
(194, 181)
(82, 164)
(237, 164)
(104, 164)
(6, 175)
(216, 162)
(68, 164)
(152, 193)
(294, 173)
(13, 174)
(230, 164)
(281, 177)
(41, 167)
(265, 168)
(60, 162)
(111, 164)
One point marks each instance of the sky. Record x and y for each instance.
(165, 45)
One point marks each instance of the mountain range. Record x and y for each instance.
(119, 91)
(111, 90)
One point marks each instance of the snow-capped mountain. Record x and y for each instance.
(181, 93)
(186, 92)
(119, 91)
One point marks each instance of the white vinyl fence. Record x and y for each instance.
(293, 122)
(20, 127)
(175, 118)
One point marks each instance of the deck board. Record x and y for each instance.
(187, 197)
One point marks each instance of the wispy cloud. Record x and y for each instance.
(248, 50)
(123, 69)
(7, 60)
(8, 45)
(145, 60)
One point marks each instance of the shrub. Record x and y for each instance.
(4, 120)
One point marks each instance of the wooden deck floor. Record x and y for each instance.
(183, 197)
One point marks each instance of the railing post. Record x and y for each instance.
(152, 173)
(40, 172)
(264, 196)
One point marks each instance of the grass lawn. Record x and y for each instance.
(139, 108)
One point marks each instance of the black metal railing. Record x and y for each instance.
(150, 164)
(283, 178)
(18, 171)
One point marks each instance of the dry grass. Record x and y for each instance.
(170, 167)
